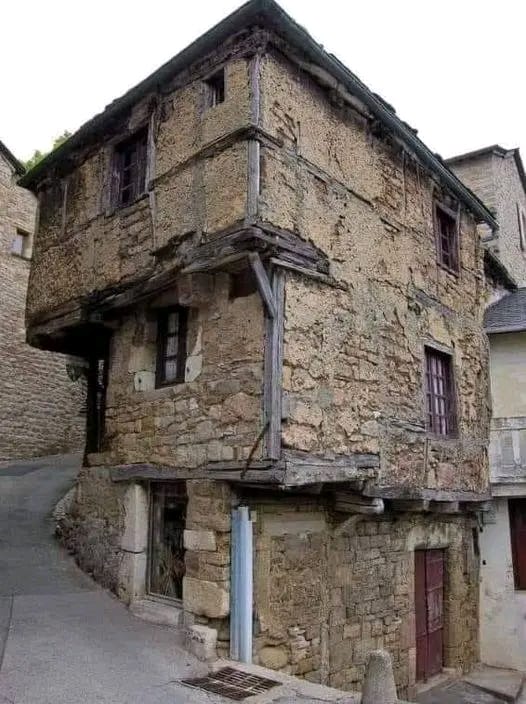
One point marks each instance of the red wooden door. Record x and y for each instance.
(429, 608)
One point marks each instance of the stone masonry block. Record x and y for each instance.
(205, 598)
(200, 540)
(201, 641)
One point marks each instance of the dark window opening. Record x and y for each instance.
(446, 232)
(166, 550)
(521, 215)
(216, 88)
(172, 328)
(517, 511)
(242, 284)
(96, 403)
(130, 168)
(20, 244)
(440, 395)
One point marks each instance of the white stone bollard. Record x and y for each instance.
(378, 684)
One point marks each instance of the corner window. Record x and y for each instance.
(446, 221)
(130, 168)
(517, 512)
(440, 393)
(20, 244)
(172, 324)
(215, 88)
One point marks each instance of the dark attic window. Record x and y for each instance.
(215, 87)
(130, 168)
(447, 236)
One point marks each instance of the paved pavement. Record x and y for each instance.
(63, 640)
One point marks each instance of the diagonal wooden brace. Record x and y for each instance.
(264, 287)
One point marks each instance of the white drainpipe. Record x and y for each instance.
(241, 586)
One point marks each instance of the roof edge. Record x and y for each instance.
(11, 158)
(274, 17)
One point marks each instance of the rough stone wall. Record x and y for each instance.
(496, 181)
(354, 354)
(217, 414)
(323, 600)
(40, 407)
(84, 244)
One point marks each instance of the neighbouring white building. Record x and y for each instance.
(497, 176)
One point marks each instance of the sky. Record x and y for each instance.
(453, 69)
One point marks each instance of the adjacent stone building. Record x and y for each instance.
(40, 406)
(497, 175)
(279, 290)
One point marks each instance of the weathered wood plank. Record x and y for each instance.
(149, 472)
(263, 283)
(415, 493)
(273, 367)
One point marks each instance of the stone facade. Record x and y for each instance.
(309, 380)
(40, 407)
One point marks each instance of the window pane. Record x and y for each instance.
(172, 323)
(172, 342)
(439, 393)
(170, 370)
(18, 244)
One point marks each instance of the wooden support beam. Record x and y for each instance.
(444, 507)
(263, 283)
(410, 506)
(268, 474)
(274, 368)
(348, 502)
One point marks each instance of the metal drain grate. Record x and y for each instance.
(234, 684)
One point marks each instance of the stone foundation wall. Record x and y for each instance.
(324, 600)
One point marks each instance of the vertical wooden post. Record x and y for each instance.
(274, 367)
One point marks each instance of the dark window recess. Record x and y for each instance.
(130, 168)
(166, 553)
(517, 511)
(447, 236)
(440, 393)
(20, 244)
(242, 283)
(215, 86)
(97, 382)
(172, 326)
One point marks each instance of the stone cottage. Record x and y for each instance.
(497, 176)
(279, 292)
(40, 405)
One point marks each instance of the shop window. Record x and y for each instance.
(166, 549)
(440, 394)
(517, 512)
(172, 327)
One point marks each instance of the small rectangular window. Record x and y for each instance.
(20, 244)
(130, 168)
(440, 394)
(517, 512)
(171, 346)
(215, 86)
(521, 216)
(447, 236)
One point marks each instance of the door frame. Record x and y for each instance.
(420, 573)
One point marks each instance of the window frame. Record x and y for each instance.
(450, 417)
(139, 139)
(521, 217)
(212, 88)
(163, 336)
(515, 506)
(25, 239)
(440, 207)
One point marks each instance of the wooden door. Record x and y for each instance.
(429, 608)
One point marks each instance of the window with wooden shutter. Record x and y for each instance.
(440, 393)
(172, 325)
(447, 236)
(130, 168)
(517, 512)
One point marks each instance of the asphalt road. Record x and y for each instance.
(63, 640)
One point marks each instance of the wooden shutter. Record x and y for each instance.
(517, 511)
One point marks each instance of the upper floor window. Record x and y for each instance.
(521, 216)
(447, 236)
(517, 511)
(215, 86)
(20, 244)
(172, 325)
(440, 393)
(130, 168)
